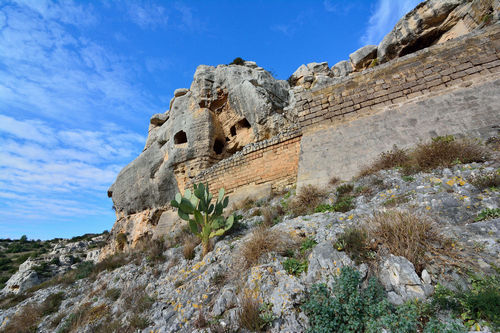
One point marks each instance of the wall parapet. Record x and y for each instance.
(432, 69)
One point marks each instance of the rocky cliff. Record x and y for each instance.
(409, 245)
(230, 106)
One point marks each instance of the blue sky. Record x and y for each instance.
(80, 80)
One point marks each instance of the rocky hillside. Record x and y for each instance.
(409, 245)
(27, 263)
(405, 247)
(230, 106)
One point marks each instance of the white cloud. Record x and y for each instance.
(385, 15)
(67, 160)
(147, 15)
(49, 68)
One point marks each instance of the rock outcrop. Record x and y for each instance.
(230, 106)
(63, 256)
(436, 21)
(431, 22)
(226, 107)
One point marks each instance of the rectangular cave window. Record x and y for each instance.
(180, 138)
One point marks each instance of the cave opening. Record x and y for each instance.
(180, 138)
(243, 123)
(218, 146)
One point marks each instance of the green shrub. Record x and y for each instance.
(481, 301)
(84, 270)
(238, 61)
(488, 213)
(294, 267)
(344, 204)
(355, 242)
(351, 309)
(307, 245)
(323, 208)
(52, 303)
(408, 178)
(434, 325)
(113, 293)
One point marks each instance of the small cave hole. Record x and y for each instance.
(227, 139)
(110, 194)
(218, 146)
(180, 138)
(233, 130)
(243, 123)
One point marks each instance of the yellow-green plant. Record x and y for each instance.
(205, 218)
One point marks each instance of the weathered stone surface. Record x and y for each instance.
(400, 280)
(158, 119)
(312, 75)
(225, 108)
(342, 68)
(180, 92)
(436, 21)
(364, 138)
(362, 57)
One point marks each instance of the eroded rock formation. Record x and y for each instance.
(230, 106)
(226, 108)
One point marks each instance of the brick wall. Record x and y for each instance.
(429, 70)
(274, 161)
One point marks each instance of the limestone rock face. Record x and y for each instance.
(342, 68)
(436, 21)
(226, 107)
(312, 75)
(361, 58)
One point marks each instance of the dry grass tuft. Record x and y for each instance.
(306, 200)
(201, 321)
(387, 160)
(334, 181)
(190, 243)
(406, 234)
(446, 151)
(24, 321)
(442, 151)
(488, 180)
(244, 204)
(249, 315)
(263, 240)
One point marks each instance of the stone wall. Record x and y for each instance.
(266, 166)
(452, 88)
(429, 70)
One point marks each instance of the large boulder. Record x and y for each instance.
(400, 280)
(436, 21)
(342, 68)
(225, 108)
(363, 57)
(23, 279)
(312, 74)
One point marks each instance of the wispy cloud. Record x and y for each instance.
(288, 29)
(339, 6)
(48, 67)
(40, 173)
(385, 15)
(147, 15)
(61, 97)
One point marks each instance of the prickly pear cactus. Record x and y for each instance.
(205, 218)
